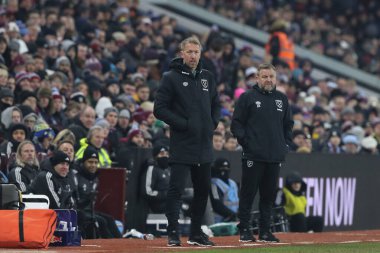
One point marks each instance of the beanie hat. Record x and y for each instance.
(41, 131)
(25, 94)
(90, 152)
(59, 157)
(133, 133)
(222, 163)
(110, 109)
(159, 148)
(369, 142)
(102, 123)
(6, 92)
(21, 76)
(18, 126)
(124, 114)
(78, 97)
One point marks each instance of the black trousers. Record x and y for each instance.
(201, 178)
(300, 223)
(260, 176)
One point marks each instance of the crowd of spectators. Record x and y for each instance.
(347, 31)
(88, 72)
(80, 74)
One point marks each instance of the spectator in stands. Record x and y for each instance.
(6, 98)
(54, 182)
(43, 138)
(11, 115)
(369, 146)
(26, 167)
(218, 141)
(351, 144)
(82, 124)
(95, 138)
(123, 126)
(17, 134)
(280, 48)
(230, 143)
(293, 198)
(93, 224)
(333, 145)
(224, 192)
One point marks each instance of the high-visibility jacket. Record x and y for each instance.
(294, 204)
(104, 158)
(286, 53)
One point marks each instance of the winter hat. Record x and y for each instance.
(32, 76)
(159, 148)
(110, 109)
(67, 44)
(6, 92)
(124, 114)
(369, 142)
(351, 139)
(78, 97)
(25, 94)
(42, 130)
(90, 152)
(147, 106)
(18, 126)
(222, 163)
(250, 71)
(102, 123)
(93, 64)
(133, 133)
(21, 76)
(59, 157)
(62, 60)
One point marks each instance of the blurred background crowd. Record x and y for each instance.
(79, 64)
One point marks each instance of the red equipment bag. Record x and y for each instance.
(31, 228)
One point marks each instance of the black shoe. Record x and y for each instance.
(173, 238)
(268, 237)
(200, 239)
(246, 235)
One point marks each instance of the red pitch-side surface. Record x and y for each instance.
(159, 244)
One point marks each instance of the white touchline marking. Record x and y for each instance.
(350, 241)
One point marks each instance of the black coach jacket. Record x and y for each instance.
(190, 106)
(262, 123)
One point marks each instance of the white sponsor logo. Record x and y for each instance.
(258, 104)
(249, 164)
(204, 83)
(279, 105)
(185, 84)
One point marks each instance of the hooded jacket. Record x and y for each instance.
(262, 124)
(189, 104)
(104, 158)
(87, 184)
(58, 189)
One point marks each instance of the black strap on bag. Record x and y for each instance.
(10, 197)
(21, 225)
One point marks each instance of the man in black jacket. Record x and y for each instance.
(93, 224)
(262, 123)
(54, 182)
(187, 101)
